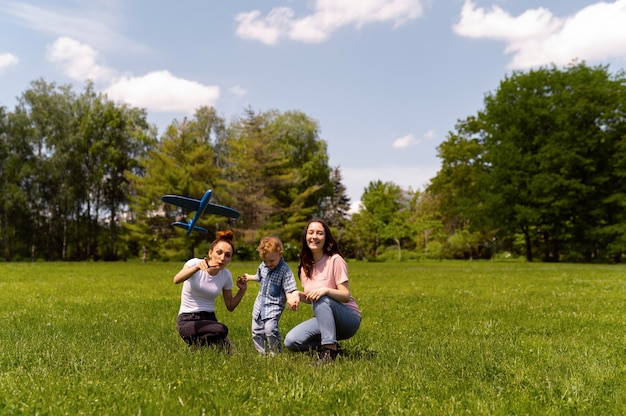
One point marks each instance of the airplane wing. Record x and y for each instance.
(222, 210)
(201, 207)
(182, 201)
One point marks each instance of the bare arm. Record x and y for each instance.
(341, 294)
(250, 277)
(302, 297)
(231, 301)
(186, 272)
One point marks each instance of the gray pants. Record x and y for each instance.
(266, 335)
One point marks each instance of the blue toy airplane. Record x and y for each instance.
(202, 206)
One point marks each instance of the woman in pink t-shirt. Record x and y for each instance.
(324, 275)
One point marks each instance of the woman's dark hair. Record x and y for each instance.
(306, 255)
(224, 236)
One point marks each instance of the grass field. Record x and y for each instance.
(440, 338)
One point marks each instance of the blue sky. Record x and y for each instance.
(385, 79)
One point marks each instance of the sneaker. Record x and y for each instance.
(228, 345)
(326, 356)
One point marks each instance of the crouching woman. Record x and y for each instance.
(324, 276)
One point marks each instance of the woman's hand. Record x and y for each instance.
(232, 301)
(206, 266)
(341, 294)
(316, 294)
(242, 282)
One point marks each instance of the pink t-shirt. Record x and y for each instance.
(329, 272)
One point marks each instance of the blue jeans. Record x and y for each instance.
(332, 321)
(265, 333)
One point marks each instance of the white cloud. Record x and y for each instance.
(96, 22)
(327, 17)
(267, 30)
(405, 141)
(430, 134)
(78, 61)
(497, 24)
(7, 60)
(238, 91)
(536, 37)
(161, 91)
(158, 91)
(409, 140)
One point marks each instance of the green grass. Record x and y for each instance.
(439, 338)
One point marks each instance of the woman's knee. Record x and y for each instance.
(324, 300)
(290, 342)
(323, 303)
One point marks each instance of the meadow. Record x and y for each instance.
(437, 338)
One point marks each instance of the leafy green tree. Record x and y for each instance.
(310, 183)
(276, 170)
(66, 156)
(542, 159)
(4, 179)
(426, 223)
(552, 136)
(181, 163)
(385, 208)
(334, 209)
(457, 187)
(358, 241)
(18, 214)
(44, 119)
(123, 136)
(256, 170)
(272, 167)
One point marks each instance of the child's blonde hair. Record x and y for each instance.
(270, 244)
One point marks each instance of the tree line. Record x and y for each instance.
(541, 167)
(538, 172)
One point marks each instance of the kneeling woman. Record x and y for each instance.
(203, 280)
(324, 275)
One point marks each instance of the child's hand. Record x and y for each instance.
(293, 299)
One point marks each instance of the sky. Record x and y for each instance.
(386, 80)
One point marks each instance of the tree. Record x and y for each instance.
(303, 196)
(334, 208)
(425, 222)
(180, 163)
(4, 179)
(44, 119)
(255, 169)
(545, 162)
(457, 187)
(566, 127)
(384, 210)
(122, 138)
(276, 170)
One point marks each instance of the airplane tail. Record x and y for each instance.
(187, 226)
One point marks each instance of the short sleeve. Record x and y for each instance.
(340, 269)
(228, 280)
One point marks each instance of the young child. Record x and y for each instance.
(277, 288)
